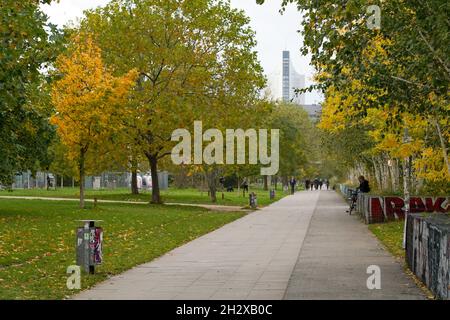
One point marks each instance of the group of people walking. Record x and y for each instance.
(317, 184)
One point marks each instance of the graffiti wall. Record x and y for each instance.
(380, 209)
(428, 251)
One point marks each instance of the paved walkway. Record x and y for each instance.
(335, 255)
(212, 207)
(302, 247)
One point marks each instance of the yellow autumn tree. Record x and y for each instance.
(88, 102)
(398, 139)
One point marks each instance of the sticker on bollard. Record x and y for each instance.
(253, 200)
(272, 194)
(89, 245)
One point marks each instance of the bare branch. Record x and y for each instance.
(435, 55)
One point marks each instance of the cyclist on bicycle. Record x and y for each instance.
(363, 188)
(363, 185)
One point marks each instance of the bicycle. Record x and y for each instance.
(353, 199)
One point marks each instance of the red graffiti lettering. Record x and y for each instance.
(376, 210)
(416, 205)
(436, 206)
(394, 208)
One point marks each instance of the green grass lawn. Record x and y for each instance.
(37, 241)
(171, 195)
(391, 235)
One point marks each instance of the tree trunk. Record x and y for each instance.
(82, 178)
(156, 196)
(391, 175)
(285, 182)
(443, 144)
(212, 187)
(384, 174)
(396, 176)
(266, 187)
(377, 172)
(213, 194)
(134, 183)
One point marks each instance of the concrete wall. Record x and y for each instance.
(428, 251)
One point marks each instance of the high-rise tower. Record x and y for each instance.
(291, 80)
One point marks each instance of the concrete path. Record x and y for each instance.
(302, 247)
(251, 258)
(211, 207)
(335, 256)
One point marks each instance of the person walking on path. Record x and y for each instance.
(293, 182)
(327, 183)
(49, 182)
(320, 184)
(316, 183)
(307, 182)
(245, 186)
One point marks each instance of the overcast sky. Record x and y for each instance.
(274, 32)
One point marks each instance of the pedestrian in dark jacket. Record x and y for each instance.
(245, 186)
(293, 182)
(316, 183)
(307, 182)
(363, 185)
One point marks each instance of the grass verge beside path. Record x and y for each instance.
(37, 241)
(391, 235)
(191, 196)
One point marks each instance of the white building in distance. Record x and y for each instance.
(291, 80)
(283, 83)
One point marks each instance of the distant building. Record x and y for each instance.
(291, 80)
(283, 82)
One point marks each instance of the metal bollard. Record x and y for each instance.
(272, 194)
(89, 245)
